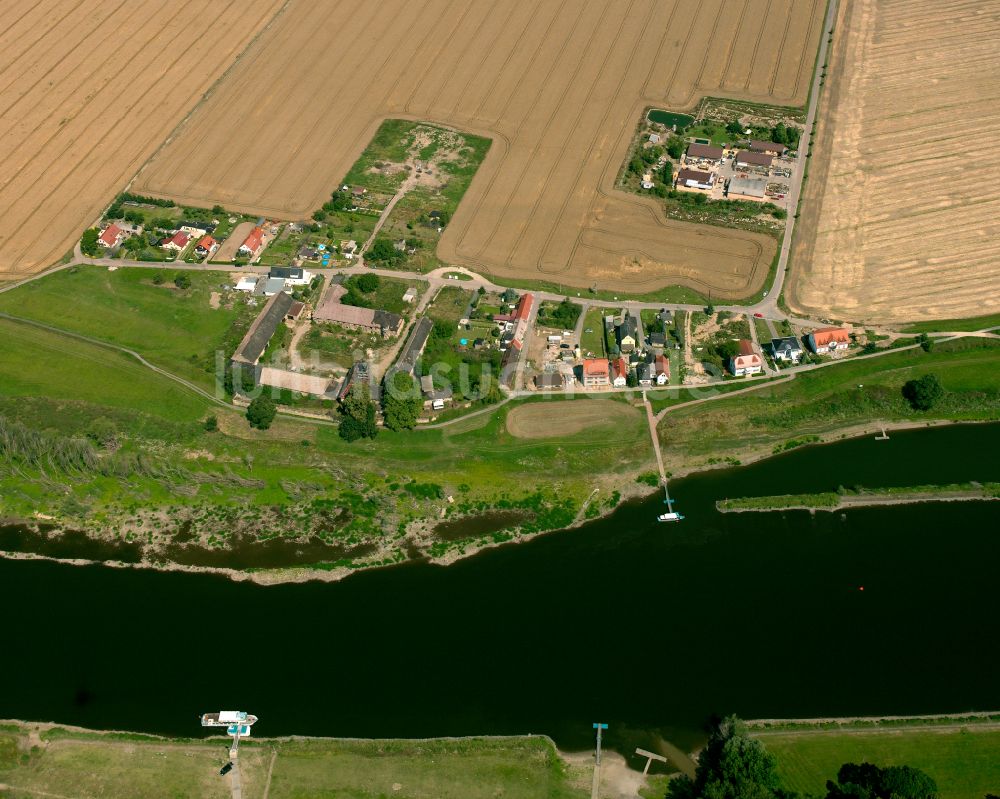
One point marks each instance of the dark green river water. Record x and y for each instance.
(649, 627)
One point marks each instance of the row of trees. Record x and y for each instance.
(735, 766)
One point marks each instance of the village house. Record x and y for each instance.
(786, 349)
(292, 275)
(704, 152)
(253, 244)
(596, 372)
(110, 237)
(192, 230)
(628, 333)
(741, 188)
(177, 242)
(746, 361)
(619, 371)
(644, 374)
(768, 147)
(693, 180)
(349, 248)
(753, 160)
(661, 370)
(829, 339)
(206, 246)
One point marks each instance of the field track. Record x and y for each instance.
(557, 84)
(901, 214)
(88, 90)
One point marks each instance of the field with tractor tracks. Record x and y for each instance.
(88, 90)
(901, 212)
(557, 84)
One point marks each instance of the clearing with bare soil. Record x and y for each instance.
(557, 85)
(555, 419)
(901, 212)
(88, 91)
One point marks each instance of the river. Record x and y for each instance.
(649, 627)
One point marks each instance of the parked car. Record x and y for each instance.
(226, 769)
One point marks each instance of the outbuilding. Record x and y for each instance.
(753, 160)
(693, 180)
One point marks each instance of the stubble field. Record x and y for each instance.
(557, 84)
(88, 90)
(901, 212)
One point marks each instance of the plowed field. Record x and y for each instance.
(901, 214)
(558, 85)
(88, 90)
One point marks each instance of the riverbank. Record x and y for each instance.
(843, 499)
(55, 760)
(420, 544)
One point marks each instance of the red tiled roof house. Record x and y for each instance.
(110, 237)
(829, 339)
(661, 368)
(206, 246)
(596, 372)
(177, 242)
(746, 361)
(619, 368)
(253, 243)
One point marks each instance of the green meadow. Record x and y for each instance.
(176, 329)
(963, 762)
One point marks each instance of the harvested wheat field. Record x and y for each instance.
(554, 419)
(88, 90)
(901, 213)
(559, 85)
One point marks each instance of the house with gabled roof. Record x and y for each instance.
(206, 246)
(619, 372)
(253, 243)
(628, 333)
(661, 370)
(746, 361)
(110, 237)
(596, 372)
(829, 339)
(177, 242)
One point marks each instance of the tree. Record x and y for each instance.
(158, 278)
(368, 282)
(261, 412)
(868, 781)
(211, 424)
(442, 329)
(731, 766)
(383, 250)
(923, 392)
(182, 280)
(218, 210)
(926, 342)
(88, 242)
(734, 128)
(401, 402)
(359, 414)
(668, 173)
(676, 147)
(509, 295)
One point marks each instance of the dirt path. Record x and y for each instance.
(270, 771)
